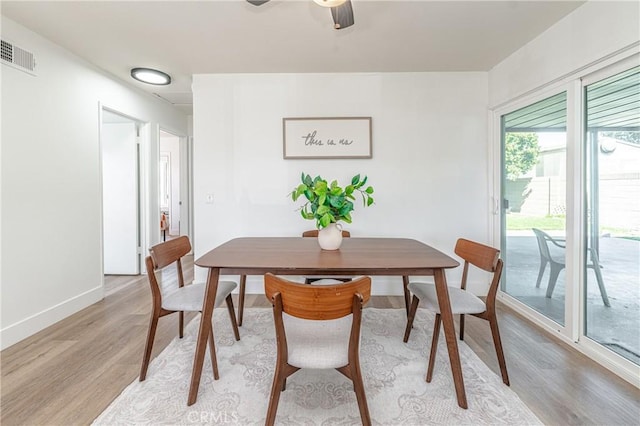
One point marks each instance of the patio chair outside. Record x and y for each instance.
(556, 264)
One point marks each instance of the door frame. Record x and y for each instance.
(186, 179)
(142, 192)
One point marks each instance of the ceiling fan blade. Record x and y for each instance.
(257, 2)
(342, 15)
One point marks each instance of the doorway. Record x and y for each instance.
(121, 224)
(173, 185)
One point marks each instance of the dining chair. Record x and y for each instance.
(462, 301)
(314, 233)
(330, 280)
(181, 298)
(307, 280)
(557, 263)
(317, 327)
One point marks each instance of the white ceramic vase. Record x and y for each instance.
(330, 237)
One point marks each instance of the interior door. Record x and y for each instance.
(120, 195)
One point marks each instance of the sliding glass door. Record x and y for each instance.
(534, 146)
(568, 202)
(611, 296)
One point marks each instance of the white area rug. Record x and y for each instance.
(393, 371)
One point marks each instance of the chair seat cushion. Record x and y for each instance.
(190, 297)
(333, 280)
(462, 302)
(293, 278)
(318, 344)
(327, 281)
(336, 277)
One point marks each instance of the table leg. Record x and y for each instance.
(407, 293)
(450, 335)
(243, 287)
(203, 332)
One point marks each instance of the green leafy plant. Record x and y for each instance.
(329, 203)
(521, 153)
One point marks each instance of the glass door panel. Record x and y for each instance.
(612, 273)
(534, 145)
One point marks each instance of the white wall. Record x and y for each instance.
(429, 166)
(51, 184)
(592, 32)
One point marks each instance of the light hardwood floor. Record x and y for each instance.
(68, 373)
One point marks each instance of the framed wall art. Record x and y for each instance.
(326, 137)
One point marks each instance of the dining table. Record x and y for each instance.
(303, 256)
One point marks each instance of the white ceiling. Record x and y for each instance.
(184, 38)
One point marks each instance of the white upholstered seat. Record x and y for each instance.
(326, 281)
(462, 302)
(318, 344)
(190, 297)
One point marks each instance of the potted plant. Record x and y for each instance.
(328, 203)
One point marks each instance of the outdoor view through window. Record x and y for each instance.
(534, 150)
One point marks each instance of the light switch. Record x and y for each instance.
(209, 199)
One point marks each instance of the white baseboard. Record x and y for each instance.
(22, 329)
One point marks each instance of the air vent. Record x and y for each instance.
(18, 58)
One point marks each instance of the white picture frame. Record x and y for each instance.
(326, 137)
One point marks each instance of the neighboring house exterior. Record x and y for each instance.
(542, 191)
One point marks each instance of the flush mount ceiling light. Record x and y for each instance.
(151, 76)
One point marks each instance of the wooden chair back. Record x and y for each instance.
(484, 257)
(324, 302)
(162, 255)
(166, 253)
(314, 233)
(480, 255)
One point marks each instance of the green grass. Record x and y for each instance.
(517, 222)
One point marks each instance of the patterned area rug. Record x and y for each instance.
(393, 376)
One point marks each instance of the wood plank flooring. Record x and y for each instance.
(70, 372)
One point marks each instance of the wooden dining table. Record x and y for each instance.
(302, 256)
